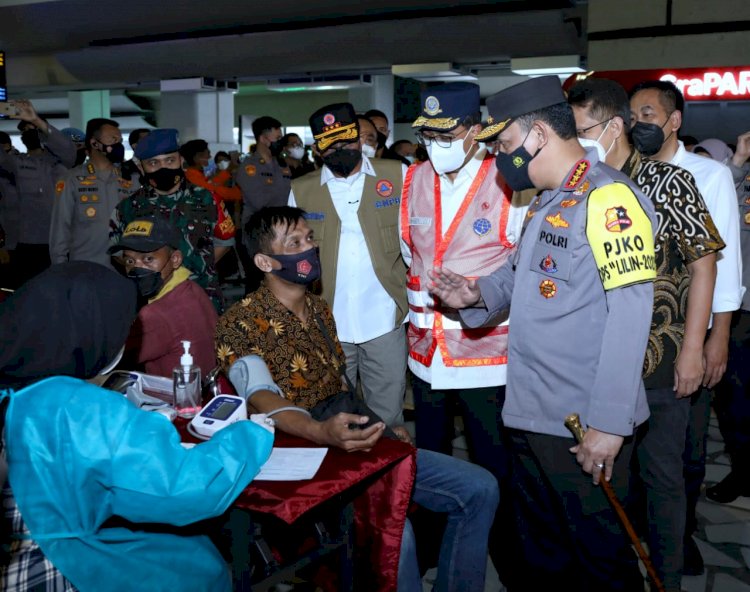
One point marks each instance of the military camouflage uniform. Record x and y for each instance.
(193, 211)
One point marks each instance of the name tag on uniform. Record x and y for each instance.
(314, 216)
(420, 221)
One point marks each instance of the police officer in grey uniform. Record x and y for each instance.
(263, 182)
(87, 195)
(49, 154)
(581, 295)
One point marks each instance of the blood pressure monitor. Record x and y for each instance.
(221, 411)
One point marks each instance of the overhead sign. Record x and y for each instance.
(696, 84)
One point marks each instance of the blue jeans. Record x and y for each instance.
(469, 495)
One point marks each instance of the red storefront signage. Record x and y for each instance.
(696, 84)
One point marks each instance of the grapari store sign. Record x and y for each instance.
(696, 84)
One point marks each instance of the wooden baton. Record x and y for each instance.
(573, 423)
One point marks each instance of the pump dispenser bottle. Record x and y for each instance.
(187, 385)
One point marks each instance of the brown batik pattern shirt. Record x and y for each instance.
(296, 353)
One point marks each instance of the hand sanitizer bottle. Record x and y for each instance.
(187, 385)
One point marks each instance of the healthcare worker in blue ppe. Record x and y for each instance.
(78, 454)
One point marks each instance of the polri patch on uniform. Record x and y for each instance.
(482, 226)
(548, 289)
(568, 203)
(251, 170)
(548, 264)
(557, 221)
(617, 219)
(384, 188)
(91, 212)
(60, 186)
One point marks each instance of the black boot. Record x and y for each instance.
(692, 557)
(729, 488)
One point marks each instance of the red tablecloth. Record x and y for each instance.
(380, 510)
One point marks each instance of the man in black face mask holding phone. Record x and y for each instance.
(86, 196)
(190, 209)
(49, 154)
(352, 205)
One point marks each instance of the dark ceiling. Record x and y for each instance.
(124, 43)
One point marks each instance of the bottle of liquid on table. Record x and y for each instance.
(187, 385)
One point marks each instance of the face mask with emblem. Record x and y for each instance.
(164, 179)
(447, 159)
(343, 162)
(514, 167)
(300, 268)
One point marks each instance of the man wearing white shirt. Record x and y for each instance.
(456, 212)
(657, 107)
(352, 207)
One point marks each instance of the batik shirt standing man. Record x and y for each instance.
(686, 246)
(352, 206)
(657, 108)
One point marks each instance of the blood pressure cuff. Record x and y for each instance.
(250, 375)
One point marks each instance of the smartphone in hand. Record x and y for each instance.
(8, 109)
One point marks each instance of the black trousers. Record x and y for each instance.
(571, 536)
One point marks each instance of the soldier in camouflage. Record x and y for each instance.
(191, 209)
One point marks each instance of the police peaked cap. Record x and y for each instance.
(444, 107)
(530, 95)
(158, 141)
(334, 123)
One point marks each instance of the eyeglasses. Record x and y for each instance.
(442, 140)
(581, 132)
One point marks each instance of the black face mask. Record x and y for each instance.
(80, 156)
(343, 162)
(648, 138)
(277, 147)
(31, 140)
(382, 139)
(300, 268)
(164, 179)
(147, 282)
(514, 167)
(115, 153)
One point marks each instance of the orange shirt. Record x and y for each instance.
(215, 184)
